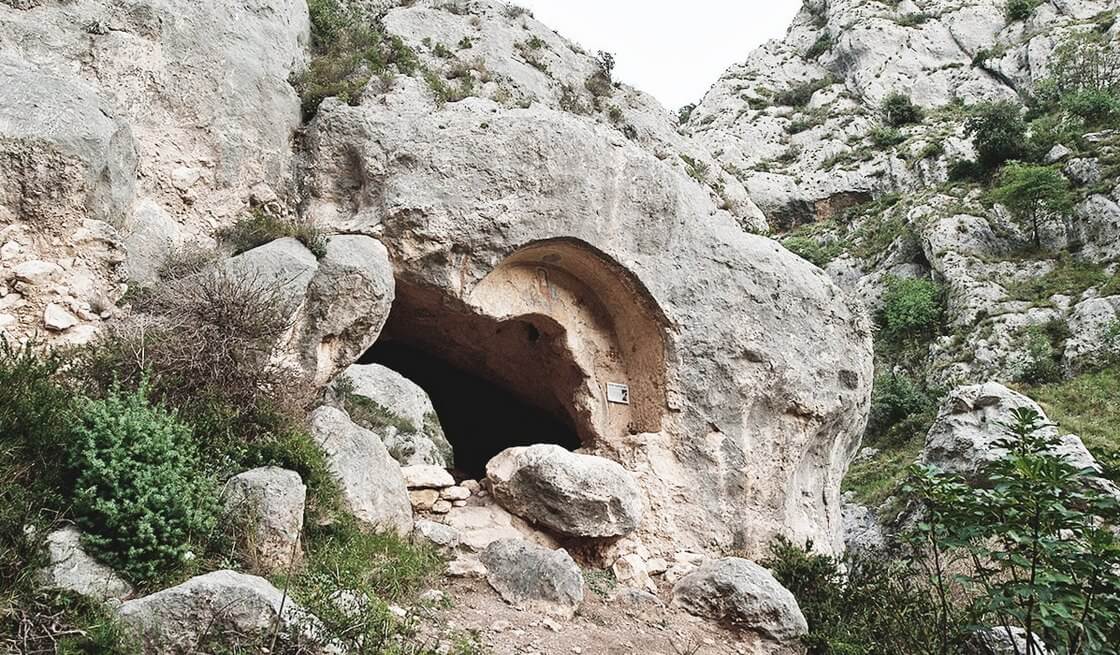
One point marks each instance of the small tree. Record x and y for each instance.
(998, 132)
(1034, 195)
(911, 309)
(1087, 61)
(899, 110)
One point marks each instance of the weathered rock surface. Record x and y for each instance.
(743, 594)
(413, 433)
(863, 533)
(971, 421)
(70, 568)
(481, 525)
(427, 476)
(766, 366)
(219, 607)
(528, 576)
(372, 485)
(268, 504)
(1008, 641)
(569, 493)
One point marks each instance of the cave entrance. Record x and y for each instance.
(557, 344)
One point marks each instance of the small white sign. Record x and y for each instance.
(618, 393)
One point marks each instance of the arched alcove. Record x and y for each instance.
(558, 327)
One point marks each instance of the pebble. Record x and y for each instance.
(441, 507)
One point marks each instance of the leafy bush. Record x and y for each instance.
(819, 47)
(1034, 195)
(260, 227)
(885, 137)
(899, 110)
(348, 48)
(601, 82)
(685, 113)
(799, 95)
(998, 132)
(141, 495)
(813, 250)
(912, 309)
(1041, 347)
(1032, 546)
(1021, 9)
(857, 606)
(1086, 61)
(1054, 128)
(1096, 108)
(902, 408)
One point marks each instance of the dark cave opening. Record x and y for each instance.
(479, 417)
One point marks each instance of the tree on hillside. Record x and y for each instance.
(998, 133)
(1034, 195)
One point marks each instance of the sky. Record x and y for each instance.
(674, 50)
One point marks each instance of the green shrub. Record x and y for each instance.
(902, 408)
(998, 133)
(1086, 406)
(813, 250)
(141, 497)
(601, 82)
(819, 47)
(912, 309)
(1035, 195)
(685, 113)
(348, 48)
(695, 168)
(260, 227)
(800, 94)
(1041, 347)
(1021, 9)
(1054, 128)
(1086, 61)
(1096, 108)
(912, 19)
(885, 137)
(899, 110)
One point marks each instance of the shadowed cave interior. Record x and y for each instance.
(479, 417)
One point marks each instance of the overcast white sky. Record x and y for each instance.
(674, 50)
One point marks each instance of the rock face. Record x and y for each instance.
(528, 576)
(572, 494)
(70, 568)
(372, 484)
(748, 371)
(220, 607)
(744, 594)
(411, 431)
(970, 422)
(268, 502)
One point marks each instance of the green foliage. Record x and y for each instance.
(445, 91)
(912, 309)
(885, 137)
(858, 606)
(1054, 128)
(813, 250)
(912, 19)
(141, 496)
(1041, 347)
(1034, 195)
(819, 47)
(1070, 277)
(685, 113)
(902, 408)
(1086, 61)
(260, 227)
(998, 132)
(695, 168)
(348, 48)
(601, 82)
(1032, 547)
(875, 480)
(799, 95)
(373, 569)
(899, 110)
(1095, 107)
(1021, 9)
(1086, 406)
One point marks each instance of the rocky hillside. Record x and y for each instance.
(404, 327)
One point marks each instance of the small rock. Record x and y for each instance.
(471, 485)
(423, 499)
(1057, 153)
(500, 625)
(427, 476)
(7, 321)
(433, 597)
(528, 576)
(439, 534)
(455, 493)
(70, 568)
(441, 507)
(36, 272)
(466, 566)
(269, 502)
(183, 178)
(10, 250)
(550, 624)
(631, 570)
(458, 503)
(58, 319)
(656, 565)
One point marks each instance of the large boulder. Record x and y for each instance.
(400, 411)
(739, 592)
(267, 504)
(372, 485)
(337, 303)
(528, 576)
(972, 420)
(572, 494)
(70, 568)
(223, 607)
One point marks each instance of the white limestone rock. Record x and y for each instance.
(268, 503)
(71, 569)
